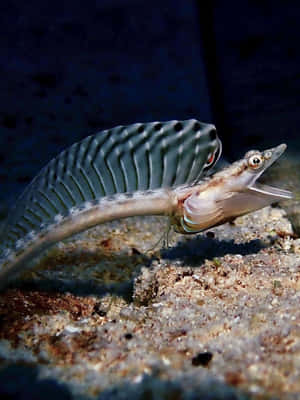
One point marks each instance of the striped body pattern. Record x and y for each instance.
(110, 168)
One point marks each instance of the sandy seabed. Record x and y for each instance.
(214, 316)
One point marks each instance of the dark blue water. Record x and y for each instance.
(69, 70)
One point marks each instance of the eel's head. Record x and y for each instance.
(232, 192)
(247, 193)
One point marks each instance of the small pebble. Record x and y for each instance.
(202, 359)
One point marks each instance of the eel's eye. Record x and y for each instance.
(255, 161)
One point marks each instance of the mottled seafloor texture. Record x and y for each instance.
(215, 316)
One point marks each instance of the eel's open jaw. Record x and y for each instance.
(271, 191)
(274, 194)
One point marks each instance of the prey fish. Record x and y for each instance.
(120, 172)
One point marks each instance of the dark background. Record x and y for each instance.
(71, 68)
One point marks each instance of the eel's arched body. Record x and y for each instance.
(119, 172)
(141, 169)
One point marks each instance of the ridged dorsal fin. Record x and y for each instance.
(140, 156)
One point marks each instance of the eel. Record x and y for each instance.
(141, 169)
(116, 173)
(229, 193)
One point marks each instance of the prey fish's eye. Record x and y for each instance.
(213, 157)
(255, 161)
(210, 159)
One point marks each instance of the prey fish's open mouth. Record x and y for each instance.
(259, 162)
